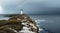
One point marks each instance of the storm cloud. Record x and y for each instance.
(31, 6)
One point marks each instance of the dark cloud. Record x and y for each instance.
(31, 6)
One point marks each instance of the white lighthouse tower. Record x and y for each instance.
(22, 11)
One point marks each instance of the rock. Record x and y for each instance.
(15, 23)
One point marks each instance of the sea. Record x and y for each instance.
(46, 23)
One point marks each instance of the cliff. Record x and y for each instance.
(18, 23)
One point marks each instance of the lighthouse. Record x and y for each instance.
(22, 11)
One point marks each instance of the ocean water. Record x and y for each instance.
(47, 23)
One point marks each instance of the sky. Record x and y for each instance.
(30, 6)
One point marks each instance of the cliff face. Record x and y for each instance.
(18, 23)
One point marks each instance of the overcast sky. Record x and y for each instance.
(30, 6)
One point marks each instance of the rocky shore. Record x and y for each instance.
(19, 23)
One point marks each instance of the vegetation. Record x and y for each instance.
(14, 23)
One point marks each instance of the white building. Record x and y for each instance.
(22, 11)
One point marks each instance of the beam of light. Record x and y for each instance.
(1, 10)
